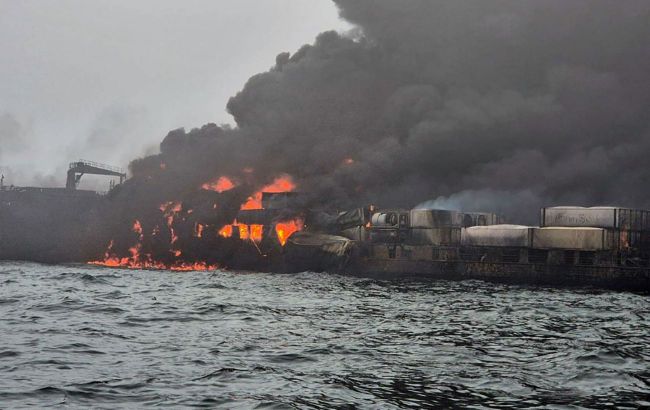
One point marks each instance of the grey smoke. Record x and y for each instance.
(506, 105)
(480, 200)
(13, 134)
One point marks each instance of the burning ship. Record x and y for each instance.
(276, 229)
(528, 113)
(228, 223)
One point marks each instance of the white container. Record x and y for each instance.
(580, 238)
(519, 236)
(596, 217)
(497, 235)
(435, 236)
(484, 218)
(436, 218)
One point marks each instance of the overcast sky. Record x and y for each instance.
(105, 80)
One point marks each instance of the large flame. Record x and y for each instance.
(221, 184)
(286, 228)
(137, 260)
(256, 232)
(283, 183)
(252, 232)
(173, 210)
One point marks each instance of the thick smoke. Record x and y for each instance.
(546, 102)
(491, 105)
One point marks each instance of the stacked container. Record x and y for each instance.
(573, 238)
(436, 227)
(623, 229)
(514, 236)
(484, 219)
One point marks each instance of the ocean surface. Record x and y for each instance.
(82, 337)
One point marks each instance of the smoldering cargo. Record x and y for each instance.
(600, 246)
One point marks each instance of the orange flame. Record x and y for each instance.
(170, 209)
(243, 231)
(226, 231)
(252, 232)
(256, 232)
(222, 184)
(282, 183)
(139, 260)
(128, 263)
(286, 228)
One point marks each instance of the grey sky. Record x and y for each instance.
(105, 80)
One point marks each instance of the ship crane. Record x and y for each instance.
(77, 169)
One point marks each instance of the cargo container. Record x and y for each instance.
(484, 219)
(434, 236)
(388, 235)
(438, 218)
(455, 245)
(497, 235)
(596, 217)
(586, 239)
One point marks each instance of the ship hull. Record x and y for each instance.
(605, 277)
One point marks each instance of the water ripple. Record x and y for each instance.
(80, 337)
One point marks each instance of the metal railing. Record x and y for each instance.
(96, 165)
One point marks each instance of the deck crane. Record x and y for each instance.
(77, 169)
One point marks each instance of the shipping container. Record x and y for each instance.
(434, 236)
(484, 219)
(497, 235)
(438, 218)
(596, 217)
(572, 238)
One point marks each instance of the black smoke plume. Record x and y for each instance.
(505, 105)
(437, 98)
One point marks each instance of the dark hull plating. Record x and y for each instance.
(619, 278)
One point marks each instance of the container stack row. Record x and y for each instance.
(570, 234)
